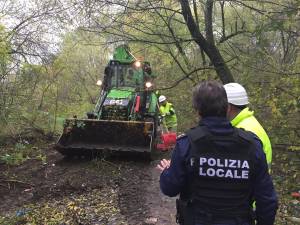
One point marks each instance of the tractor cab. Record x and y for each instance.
(125, 75)
(129, 91)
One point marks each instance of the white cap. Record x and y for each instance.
(236, 94)
(162, 98)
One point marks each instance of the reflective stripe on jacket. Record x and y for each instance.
(170, 116)
(245, 119)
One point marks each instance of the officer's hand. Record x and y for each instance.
(164, 164)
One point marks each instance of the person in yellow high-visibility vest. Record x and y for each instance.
(242, 117)
(167, 111)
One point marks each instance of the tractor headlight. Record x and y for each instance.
(99, 82)
(148, 84)
(137, 64)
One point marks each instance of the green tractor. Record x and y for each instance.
(125, 116)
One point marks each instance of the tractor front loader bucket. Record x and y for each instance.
(88, 136)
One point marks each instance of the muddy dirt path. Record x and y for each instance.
(83, 191)
(140, 198)
(109, 191)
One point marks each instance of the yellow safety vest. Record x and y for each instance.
(246, 120)
(170, 120)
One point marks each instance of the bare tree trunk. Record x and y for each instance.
(207, 44)
(56, 108)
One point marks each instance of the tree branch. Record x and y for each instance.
(209, 48)
(185, 77)
(208, 21)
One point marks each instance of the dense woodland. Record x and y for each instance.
(53, 52)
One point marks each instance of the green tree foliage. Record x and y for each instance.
(82, 61)
(258, 40)
(260, 43)
(42, 95)
(266, 61)
(4, 52)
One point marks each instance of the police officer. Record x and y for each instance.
(218, 170)
(242, 117)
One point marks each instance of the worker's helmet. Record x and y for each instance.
(162, 98)
(236, 94)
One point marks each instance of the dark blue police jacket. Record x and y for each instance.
(174, 179)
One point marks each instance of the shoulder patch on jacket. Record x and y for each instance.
(180, 136)
(197, 133)
(247, 135)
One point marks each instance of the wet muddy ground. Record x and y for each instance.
(108, 191)
(113, 190)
